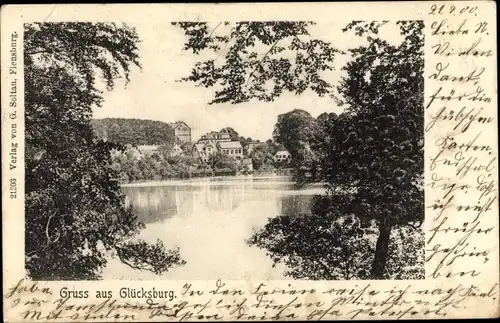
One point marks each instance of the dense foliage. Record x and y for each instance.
(219, 160)
(135, 165)
(253, 53)
(133, 131)
(330, 245)
(262, 155)
(75, 215)
(297, 131)
(371, 156)
(379, 150)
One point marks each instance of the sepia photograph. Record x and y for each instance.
(258, 150)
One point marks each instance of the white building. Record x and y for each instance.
(282, 156)
(231, 148)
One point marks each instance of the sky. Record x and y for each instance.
(154, 94)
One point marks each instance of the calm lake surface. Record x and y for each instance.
(209, 219)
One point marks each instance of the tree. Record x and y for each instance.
(327, 133)
(244, 142)
(258, 156)
(165, 149)
(245, 73)
(317, 248)
(331, 245)
(232, 133)
(223, 161)
(134, 131)
(296, 130)
(380, 150)
(75, 211)
(375, 149)
(262, 155)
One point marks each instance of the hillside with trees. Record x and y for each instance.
(133, 131)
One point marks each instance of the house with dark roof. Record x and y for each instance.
(203, 151)
(214, 136)
(182, 131)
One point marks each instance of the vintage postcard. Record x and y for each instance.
(270, 161)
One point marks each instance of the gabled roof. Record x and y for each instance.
(178, 123)
(229, 145)
(200, 147)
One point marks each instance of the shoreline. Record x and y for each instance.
(214, 179)
(218, 180)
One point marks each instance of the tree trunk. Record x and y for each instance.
(381, 249)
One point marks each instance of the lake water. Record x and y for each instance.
(209, 219)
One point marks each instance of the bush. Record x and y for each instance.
(201, 173)
(224, 172)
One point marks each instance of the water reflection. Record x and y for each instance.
(158, 203)
(210, 221)
(296, 205)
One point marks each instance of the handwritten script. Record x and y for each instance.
(264, 301)
(461, 121)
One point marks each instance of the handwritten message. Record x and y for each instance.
(461, 159)
(221, 300)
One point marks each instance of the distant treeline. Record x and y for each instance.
(133, 131)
